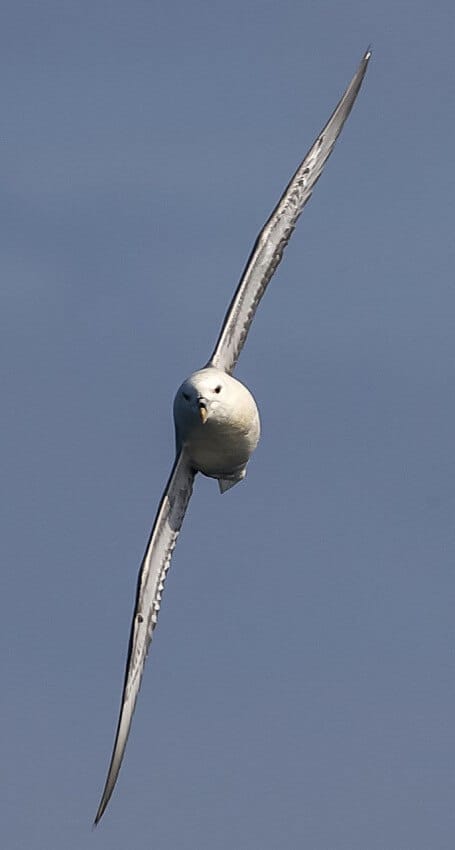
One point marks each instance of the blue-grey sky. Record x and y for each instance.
(300, 691)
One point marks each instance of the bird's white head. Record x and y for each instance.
(211, 400)
(200, 397)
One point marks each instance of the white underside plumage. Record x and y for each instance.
(221, 446)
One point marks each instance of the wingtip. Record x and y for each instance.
(101, 809)
(368, 53)
(97, 820)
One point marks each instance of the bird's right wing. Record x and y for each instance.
(150, 585)
(275, 235)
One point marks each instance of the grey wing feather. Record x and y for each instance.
(273, 238)
(151, 578)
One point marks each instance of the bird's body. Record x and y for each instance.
(216, 419)
(217, 422)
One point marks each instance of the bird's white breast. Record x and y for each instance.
(223, 444)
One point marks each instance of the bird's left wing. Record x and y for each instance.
(275, 235)
(150, 585)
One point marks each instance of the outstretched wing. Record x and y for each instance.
(150, 585)
(273, 238)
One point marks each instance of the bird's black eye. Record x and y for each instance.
(185, 396)
(218, 388)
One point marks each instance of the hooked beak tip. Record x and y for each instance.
(203, 413)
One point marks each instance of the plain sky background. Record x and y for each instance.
(300, 690)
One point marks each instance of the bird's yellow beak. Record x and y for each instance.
(203, 412)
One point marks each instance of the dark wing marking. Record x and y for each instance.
(150, 585)
(273, 238)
